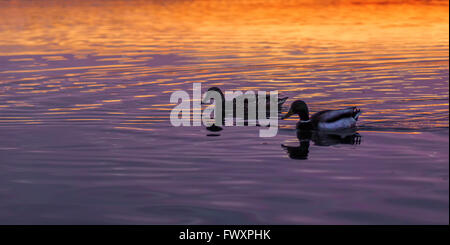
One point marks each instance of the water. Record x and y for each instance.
(85, 136)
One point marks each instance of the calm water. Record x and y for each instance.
(85, 136)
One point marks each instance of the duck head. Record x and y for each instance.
(300, 108)
(216, 89)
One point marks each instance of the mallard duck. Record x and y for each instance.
(324, 120)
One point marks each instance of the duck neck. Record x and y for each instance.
(222, 96)
(305, 125)
(304, 114)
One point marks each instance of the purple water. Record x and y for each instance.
(85, 135)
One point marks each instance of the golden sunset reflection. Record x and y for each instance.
(116, 59)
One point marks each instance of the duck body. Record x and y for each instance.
(335, 119)
(248, 101)
(230, 108)
(327, 120)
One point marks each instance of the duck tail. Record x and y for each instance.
(356, 113)
(282, 100)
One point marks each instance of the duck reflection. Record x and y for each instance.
(299, 152)
(320, 138)
(214, 129)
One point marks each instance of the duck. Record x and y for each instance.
(324, 120)
(222, 110)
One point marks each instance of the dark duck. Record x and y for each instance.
(280, 101)
(323, 120)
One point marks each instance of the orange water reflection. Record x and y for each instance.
(118, 59)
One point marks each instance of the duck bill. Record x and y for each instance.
(290, 113)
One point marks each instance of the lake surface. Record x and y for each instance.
(85, 135)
